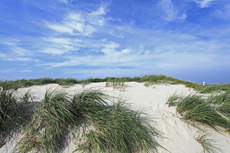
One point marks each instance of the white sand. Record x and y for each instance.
(178, 137)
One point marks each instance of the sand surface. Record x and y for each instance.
(177, 136)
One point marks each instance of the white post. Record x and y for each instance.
(203, 83)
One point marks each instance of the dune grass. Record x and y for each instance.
(207, 146)
(46, 132)
(149, 79)
(173, 100)
(107, 128)
(14, 112)
(196, 109)
(212, 112)
(117, 129)
(116, 84)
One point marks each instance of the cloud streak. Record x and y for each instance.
(204, 3)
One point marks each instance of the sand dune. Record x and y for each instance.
(177, 136)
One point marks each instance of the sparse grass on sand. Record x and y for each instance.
(107, 128)
(116, 84)
(196, 109)
(213, 112)
(206, 144)
(148, 79)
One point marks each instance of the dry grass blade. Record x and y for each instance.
(206, 144)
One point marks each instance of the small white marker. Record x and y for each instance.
(203, 83)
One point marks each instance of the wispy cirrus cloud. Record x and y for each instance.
(79, 23)
(170, 12)
(205, 3)
(15, 51)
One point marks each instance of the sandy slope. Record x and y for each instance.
(177, 137)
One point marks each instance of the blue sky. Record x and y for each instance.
(186, 39)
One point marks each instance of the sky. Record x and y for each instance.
(185, 39)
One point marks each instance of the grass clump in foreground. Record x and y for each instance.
(213, 112)
(47, 130)
(107, 128)
(196, 109)
(13, 112)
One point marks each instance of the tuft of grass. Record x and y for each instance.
(173, 100)
(84, 83)
(8, 108)
(48, 127)
(107, 128)
(196, 109)
(206, 144)
(117, 129)
(65, 82)
(147, 84)
(188, 103)
(116, 84)
(14, 112)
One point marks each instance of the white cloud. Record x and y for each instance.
(26, 71)
(110, 48)
(75, 26)
(65, 1)
(21, 51)
(60, 45)
(58, 41)
(15, 46)
(6, 71)
(184, 16)
(2, 55)
(222, 13)
(54, 51)
(204, 3)
(126, 51)
(22, 59)
(76, 17)
(100, 11)
(61, 28)
(170, 12)
(78, 24)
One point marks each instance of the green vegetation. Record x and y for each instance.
(84, 83)
(206, 144)
(106, 128)
(13, 112)
(116, 84)
(47, 130)
(148, 79)
(113, 128)
(147, 84)
(211, 112)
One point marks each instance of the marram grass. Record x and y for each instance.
(13, 112)
(47, 130)
(196, 109)
(118, 129)
(206, 144)
(213, 112)
(111, 128)
(149, 78)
